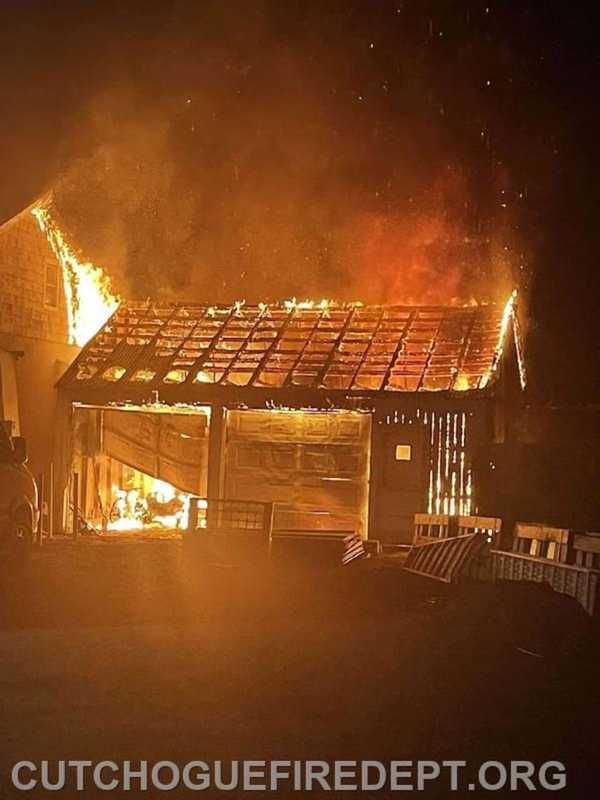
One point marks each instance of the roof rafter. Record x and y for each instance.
(382, 348)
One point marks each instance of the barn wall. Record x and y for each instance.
(399, 470)
(440, 477)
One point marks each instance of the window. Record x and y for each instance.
(51, 284)
(403, 452)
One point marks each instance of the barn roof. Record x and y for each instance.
(325, 346)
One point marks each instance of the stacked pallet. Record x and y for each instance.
(566, 561)
(447, 548)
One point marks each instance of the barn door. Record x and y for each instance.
(399, 474)
(313, 465)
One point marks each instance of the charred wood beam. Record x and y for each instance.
(365, 356)
(244, 346)
(331, 355)
(378, 402)
(303, 349)
(273, 346)
(465, 347)
(430, 352)
(201, 360)
(398, 350)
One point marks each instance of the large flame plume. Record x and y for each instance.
(88, 292)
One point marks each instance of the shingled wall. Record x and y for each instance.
(32, 303)
(33, 324)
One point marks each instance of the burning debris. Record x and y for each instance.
(139, 469)
(152, 503)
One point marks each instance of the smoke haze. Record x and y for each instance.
(352, 149)
(240, 153)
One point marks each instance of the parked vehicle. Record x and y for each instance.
(19, 509)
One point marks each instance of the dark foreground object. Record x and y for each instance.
(129, 651)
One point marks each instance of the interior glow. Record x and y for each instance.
(152, 503)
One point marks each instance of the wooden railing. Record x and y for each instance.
(556, 556)
(433, 527)
(542, 541)
(578, 582)
(587, 550)
(567, 561)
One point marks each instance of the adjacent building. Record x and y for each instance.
(34, 335)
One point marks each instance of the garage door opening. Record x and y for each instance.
(134, 470)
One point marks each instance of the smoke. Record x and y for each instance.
(244, 154)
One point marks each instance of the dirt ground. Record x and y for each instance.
(131, 651)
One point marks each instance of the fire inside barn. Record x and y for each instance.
(346, 417)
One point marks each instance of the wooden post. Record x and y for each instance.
(216, 442)
(193, 515)
(75, 505)
(51, 502)
(268, 523)
(375, 473)
(41, 504)
(83, 502)
(63, 451)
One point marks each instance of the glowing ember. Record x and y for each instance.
(306, 305)
(163, 506)
(450, 478)
(90, 300)
(461, 384)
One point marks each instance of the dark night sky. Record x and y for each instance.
(384, 151)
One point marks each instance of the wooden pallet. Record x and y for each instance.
(447, 559)
(433, 527)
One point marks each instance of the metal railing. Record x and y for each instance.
(219, 516)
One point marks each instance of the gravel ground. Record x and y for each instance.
(129, 651)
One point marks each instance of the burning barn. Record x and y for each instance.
(347, 417)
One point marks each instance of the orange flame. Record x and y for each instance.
(133, 510)
(461, 384)
(88, 292)
(507, 319)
